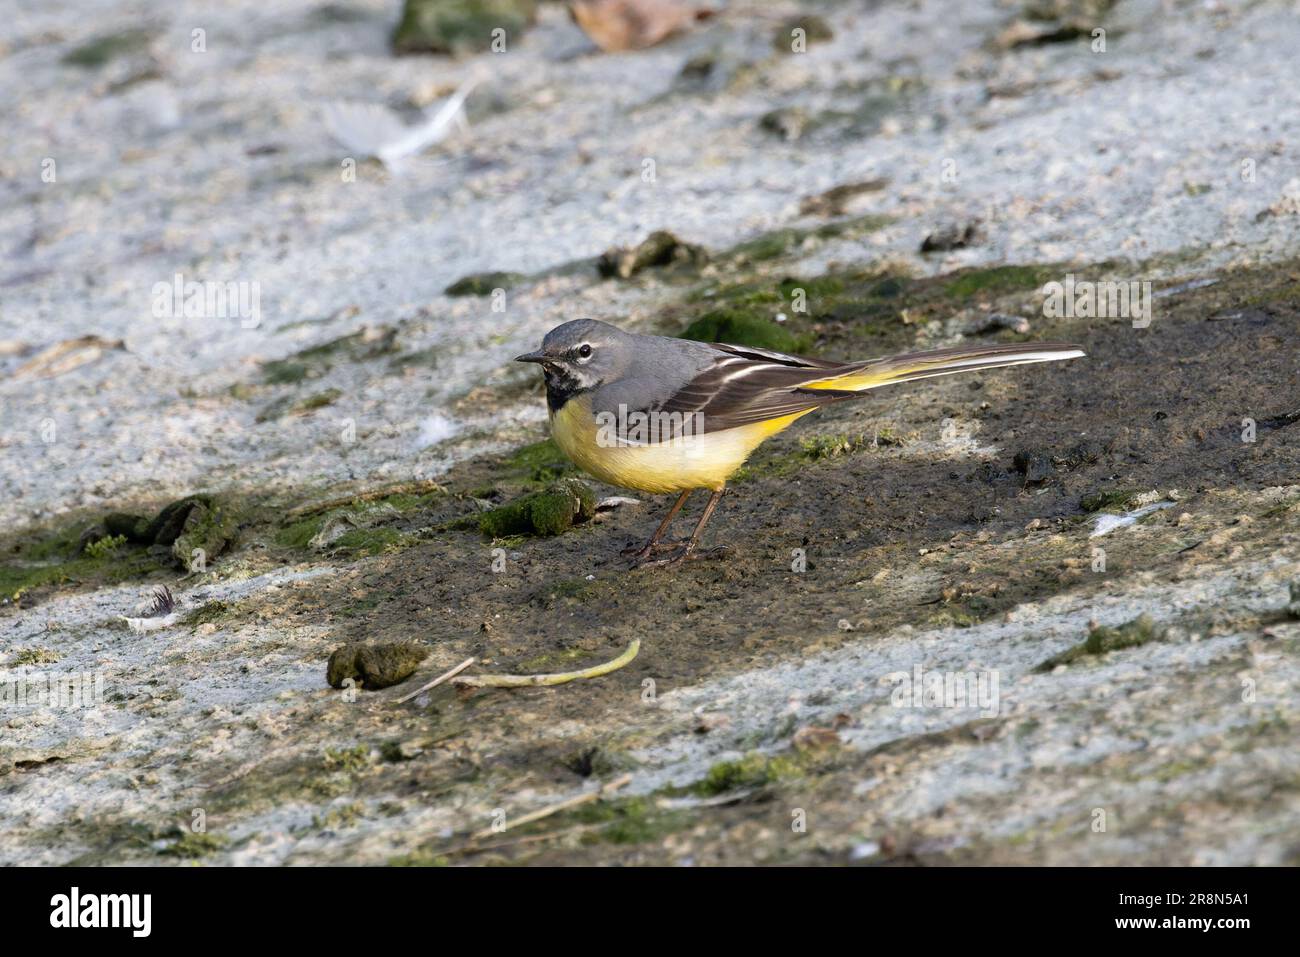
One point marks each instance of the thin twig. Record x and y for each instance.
(438, 680)
(559, 678)
(564, 805)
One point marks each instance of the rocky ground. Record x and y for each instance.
(1108, 548)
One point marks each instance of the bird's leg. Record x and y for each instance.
(650, 547)
(688, 551)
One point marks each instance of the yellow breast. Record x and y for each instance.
(694, 461)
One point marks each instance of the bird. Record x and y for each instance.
(661, 415)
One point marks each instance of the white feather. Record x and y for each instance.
(369, 129)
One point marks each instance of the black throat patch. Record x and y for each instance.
(560, 388)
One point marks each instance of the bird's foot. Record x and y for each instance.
(643, 552)
(684, 553)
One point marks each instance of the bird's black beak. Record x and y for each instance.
(531, 357)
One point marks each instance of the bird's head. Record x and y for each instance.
(578, 356)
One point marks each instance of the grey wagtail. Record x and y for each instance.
(673, 415)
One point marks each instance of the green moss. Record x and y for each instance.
(338, 818)
(819, 447)
(35, 656)
(752, 771)
(1288, 294)
(1140, 631)
(548, 512)
(742, 328)
(314, 361)
(815, 30)
(660, 250)
(210, 526)
(105, 547)
(194, 845)
(59, 545)
(288, 405)
(101, 50)
(770, 245)
(953, 618)
(813, 288)
(483, 283)
(346, 759)
(298, 535)
(209, 612)
(636, 820)
(741, 294)
(460, 26)
(420, 859)
(369, 541)
(540, 462)
(998, 280)
(20, 577)
(1116, 500)
(780, 242)
(285, 371)
(374, 666)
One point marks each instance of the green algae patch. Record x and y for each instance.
(1102, 639)
(540, 462)
(659, 250)
(35, 656)
(192, 845)
(743, 328)
(752, 771)
(119, 546)
(102, 50)
(368, 541)
(209, 612)
(1115, 500)
(483, 283)
(291, 406)
(999, 280)
(374, 666)
(298, 535)
(813, 30)
(784, 241)
(350, 760)
(828, 285)
(210, 527)
(315, 361)
(460, 26)
(551, 511)
(635, 820)
(105, 547)
(71, 554)
(361, 524)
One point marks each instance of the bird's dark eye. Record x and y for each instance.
(584, 351)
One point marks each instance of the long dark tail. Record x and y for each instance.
(923, 365)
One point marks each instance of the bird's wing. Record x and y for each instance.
(745, 385)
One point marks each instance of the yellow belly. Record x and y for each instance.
(696, 461)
